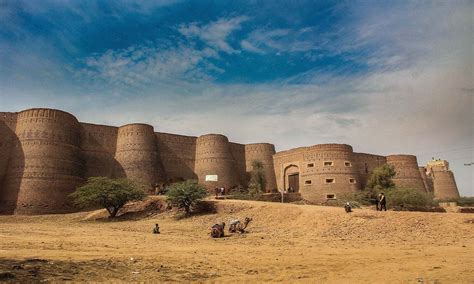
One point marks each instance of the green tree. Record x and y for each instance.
(381, 177)
(258, 180)
(380, 180)
(185, 195)
(406, 198)
(111, 194)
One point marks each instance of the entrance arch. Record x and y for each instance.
(292, 178)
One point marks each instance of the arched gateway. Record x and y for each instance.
(292, 178)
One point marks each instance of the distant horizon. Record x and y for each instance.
(383, 77)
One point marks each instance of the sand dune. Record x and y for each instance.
(285, 242)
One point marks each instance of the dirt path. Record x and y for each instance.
(285, 243)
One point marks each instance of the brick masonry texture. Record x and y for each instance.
(45, 154)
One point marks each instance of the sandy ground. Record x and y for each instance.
(285, 242)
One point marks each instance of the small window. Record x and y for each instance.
(330, 180)
(352, 180)
(328, 163)
(330, 196)
(311, 165)
(307, 182)
(347, 164)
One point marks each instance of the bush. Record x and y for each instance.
(185, 195)
(381, 177)
(257, 178)
(407, 198)
(366, 197)
(463, 201)
(111, 194)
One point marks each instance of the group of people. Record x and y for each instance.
(220, 191)
(380, 204)
(160, 189)
(290, 190)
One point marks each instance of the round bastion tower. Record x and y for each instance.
(407, 172)
(214, 157)
(329, 172)
(442, 178)
(262, 152)
(47, 165)
(137, 155)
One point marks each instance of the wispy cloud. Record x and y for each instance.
(214, 34)
(414, 96)
(139, 66)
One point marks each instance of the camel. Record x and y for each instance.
(217, 231)
(237, 226)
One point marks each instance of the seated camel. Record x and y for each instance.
(217, 231)
(237, 226)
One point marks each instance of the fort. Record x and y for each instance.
(45, 154)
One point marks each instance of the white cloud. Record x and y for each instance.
(246, 45)
(139, 66)
(215, 34)
(417, 100)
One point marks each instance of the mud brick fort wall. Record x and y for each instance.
(45, 154)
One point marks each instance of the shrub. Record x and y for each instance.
(257, 178)
(185, 195)
(406, 198)
(463, 201)
(111, 194)
(381, 177)
(366, 197)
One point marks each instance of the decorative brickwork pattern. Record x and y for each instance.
(47, 165)
(137, 155)
(214, 157)
(45, 154)
(262, 152)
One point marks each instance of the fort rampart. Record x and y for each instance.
(45, 154)
(407, 172)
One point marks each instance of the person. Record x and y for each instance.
(216, 190)
(157, 189)
(382, 202)
(377, 201)
(156, 229)
(348, 207)
(222, 191)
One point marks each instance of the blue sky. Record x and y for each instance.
(384, 76)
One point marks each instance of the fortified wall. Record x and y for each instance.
(46, 154)
(324, 172)
(330, 171)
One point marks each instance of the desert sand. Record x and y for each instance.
(284, 243)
